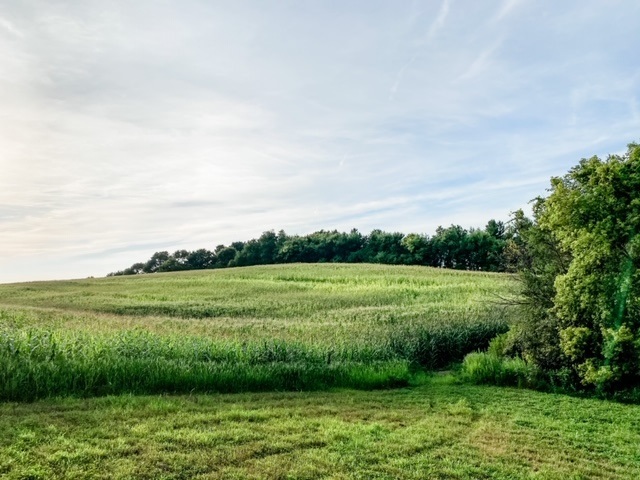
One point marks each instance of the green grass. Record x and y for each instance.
(319, 303)
(440, 430)
(293, 327)
(269, 330)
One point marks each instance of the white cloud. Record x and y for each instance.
(505, 9)
(133, 127)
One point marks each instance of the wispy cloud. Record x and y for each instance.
(399, 75)
(10, 27)
(481, 62)
(505, 9)
(438, 23)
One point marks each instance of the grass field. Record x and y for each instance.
(438, 430)
(293, 327)
(267, 331)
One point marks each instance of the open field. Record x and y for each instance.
(320, 303)
(300, 327)
(438, 430)
(269, 330)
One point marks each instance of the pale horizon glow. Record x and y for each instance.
(132, 127)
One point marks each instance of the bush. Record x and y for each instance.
(579, 262)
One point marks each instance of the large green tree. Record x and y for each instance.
(580, 264)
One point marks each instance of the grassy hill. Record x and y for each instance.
(257, 328)
(282, 328)
(320, 302)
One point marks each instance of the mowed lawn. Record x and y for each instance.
(438, 430)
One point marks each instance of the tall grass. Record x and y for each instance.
(438, 345)
(37, 363)
(487, 368)
(297, 327)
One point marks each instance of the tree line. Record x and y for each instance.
(451, 247)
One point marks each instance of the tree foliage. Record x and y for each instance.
(579, 260)
(451, 247)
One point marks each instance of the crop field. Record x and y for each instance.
(294, 327)
(133, 377)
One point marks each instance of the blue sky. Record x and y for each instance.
(130, 127)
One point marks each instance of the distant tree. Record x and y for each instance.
(294, 250)
(479, 249)
(201, 259)
(384, 247)
(419, 249)
(171, 264)
(134, 269)
(349, 245)
(237, 246)
(157, 259)
(225, 256)
(496, 229)
(449, 246)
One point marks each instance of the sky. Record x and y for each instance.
(132, 127)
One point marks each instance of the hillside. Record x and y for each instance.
(256, 328)
(293, 327)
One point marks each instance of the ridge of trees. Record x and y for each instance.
(451, 247)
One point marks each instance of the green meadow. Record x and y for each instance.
(286, 371)
(294, 327)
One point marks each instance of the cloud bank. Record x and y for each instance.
(131, 127)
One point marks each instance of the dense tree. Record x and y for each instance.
(453, 247)
(385, 247)
(537, 257)
(201, 259)
(419, 249)
(260, 251)
(579, 259)
(449, 247)
(225, 256)
(156, 260)
(496, 229)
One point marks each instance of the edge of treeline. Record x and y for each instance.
(451, 247)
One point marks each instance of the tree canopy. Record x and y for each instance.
(450, 247)
(579, 260)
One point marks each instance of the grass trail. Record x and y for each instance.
(439, 430)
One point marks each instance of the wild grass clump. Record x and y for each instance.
(485, 368)
(493, 367)
(37, 363)
(434, 346)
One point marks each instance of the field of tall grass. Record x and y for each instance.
(287, 327)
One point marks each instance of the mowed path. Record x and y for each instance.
(438, 430)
